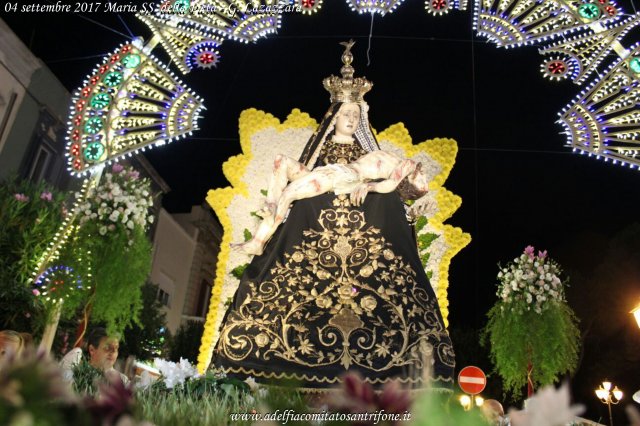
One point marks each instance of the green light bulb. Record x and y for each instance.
(100, 101)
(94, 151)
(93, 125)
(589, 11)
(113, 79)
(131, 61)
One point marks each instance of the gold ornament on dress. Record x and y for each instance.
(318, 290)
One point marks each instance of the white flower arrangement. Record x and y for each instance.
(122, 199)
(532, 279)
(175, 373)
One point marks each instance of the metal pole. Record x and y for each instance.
(609, 405)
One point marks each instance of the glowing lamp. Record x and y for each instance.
(465, 401)
(609, 397)
(636, 314)
(617, 393)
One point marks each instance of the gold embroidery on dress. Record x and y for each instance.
(322, 290)
(340, 153)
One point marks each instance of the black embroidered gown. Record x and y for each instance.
(337, 288)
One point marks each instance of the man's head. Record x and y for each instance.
(415, 185)
(103, 349)
(492, 410)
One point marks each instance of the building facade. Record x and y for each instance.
(186, 247)
(33, 110)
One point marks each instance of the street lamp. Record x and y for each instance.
(636, 313)
(467, 401)
(608, 396)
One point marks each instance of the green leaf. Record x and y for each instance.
(421, 223)
(263, 192)
(247, 235)
(425, 240)
(238, 271)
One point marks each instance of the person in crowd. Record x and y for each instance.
(494, 413)
(12, 343)
(103, 354)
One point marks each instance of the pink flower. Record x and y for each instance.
(117, 168)
(114, 399)
(47, 196)
(35, 292)
(529, 251)
(358, 396)
(134, 174)
(21, 197)
(542, 254)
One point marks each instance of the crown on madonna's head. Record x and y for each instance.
(347, 88)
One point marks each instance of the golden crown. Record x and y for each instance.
(347, 88)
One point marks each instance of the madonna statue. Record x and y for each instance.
(339, 287)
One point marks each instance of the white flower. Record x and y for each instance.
(173, 373)
(102, 230)
(548, 407)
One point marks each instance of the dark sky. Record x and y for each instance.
(519, 184)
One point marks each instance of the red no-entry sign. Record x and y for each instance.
(472, 380)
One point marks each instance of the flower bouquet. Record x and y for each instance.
(532, 331)
(112, 244)
(122, 201)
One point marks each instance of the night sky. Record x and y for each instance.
(520, 185)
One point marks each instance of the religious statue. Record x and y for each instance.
(338, 286)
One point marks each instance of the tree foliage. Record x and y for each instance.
(30, 216)
(148, 339)
(549, 342)
(186, 343)
(120, 264)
